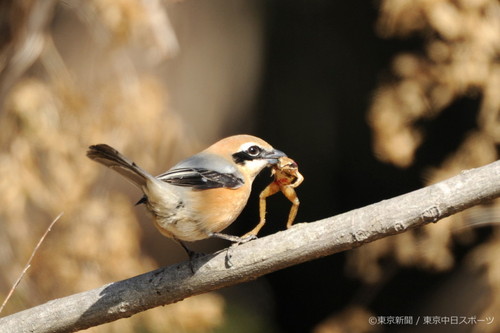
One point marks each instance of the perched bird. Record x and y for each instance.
(201, 195)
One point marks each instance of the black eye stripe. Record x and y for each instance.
(242, 156)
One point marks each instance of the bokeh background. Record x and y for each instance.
(371, 98)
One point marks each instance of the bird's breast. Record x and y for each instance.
(189, 215)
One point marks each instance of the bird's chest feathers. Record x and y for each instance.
(198, 213)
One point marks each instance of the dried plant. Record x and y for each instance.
(49, 117)
(460, 58)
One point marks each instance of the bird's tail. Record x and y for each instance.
(111, 158)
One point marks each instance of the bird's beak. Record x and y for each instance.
(273, 156)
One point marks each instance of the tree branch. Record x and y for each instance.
(301, 243)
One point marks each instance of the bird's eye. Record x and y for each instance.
(254, 151)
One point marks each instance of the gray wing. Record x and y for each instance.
(204, 171)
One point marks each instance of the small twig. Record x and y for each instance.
(28, 264)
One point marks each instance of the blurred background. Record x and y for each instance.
(372, 99)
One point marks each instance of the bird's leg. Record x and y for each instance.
(236, 241)
(191, 254)
(231, 238)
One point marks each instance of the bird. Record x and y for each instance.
(201, 195)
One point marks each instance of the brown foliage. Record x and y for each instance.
(460, 58)
(83, 91)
